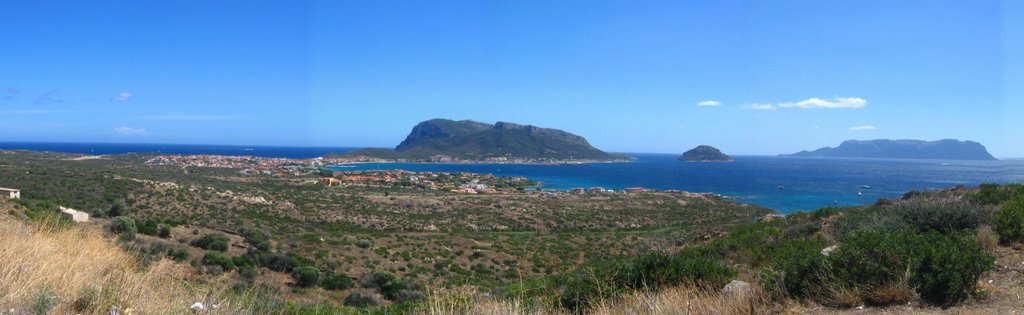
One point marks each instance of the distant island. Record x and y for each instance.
(705, 153)
(444, 140)
(904, 149)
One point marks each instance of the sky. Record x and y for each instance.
(749, 77)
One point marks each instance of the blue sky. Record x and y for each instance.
(783, 75)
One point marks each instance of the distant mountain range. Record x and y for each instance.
(705, 153)
(472, 140)
(904, 149)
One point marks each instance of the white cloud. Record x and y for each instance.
(191, 117)
(863, 128)
(129, 131)
(838, 102)
(759, 106)
(709, 103)
(123, 96)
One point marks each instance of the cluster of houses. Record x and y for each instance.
(248, 165)
(601, 190)
(465, 183)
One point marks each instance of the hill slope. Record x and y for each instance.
(471, 140)
(904, 149)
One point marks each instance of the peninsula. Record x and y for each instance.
(443, 140)
(904, 149)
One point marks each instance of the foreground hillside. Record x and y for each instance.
(286, 244)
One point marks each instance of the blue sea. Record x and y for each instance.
(121, 148)
(784, 184)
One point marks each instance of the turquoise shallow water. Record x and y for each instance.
(785, 184)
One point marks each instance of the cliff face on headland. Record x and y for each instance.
(471, 140)
(904, 149)
(705, 153)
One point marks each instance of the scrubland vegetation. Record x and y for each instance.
(307, 249)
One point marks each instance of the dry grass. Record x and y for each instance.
(45, 268)
(987, 238)
(688, 300)
(681, 300)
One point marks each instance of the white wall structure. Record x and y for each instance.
(10, 193)
(75, 215)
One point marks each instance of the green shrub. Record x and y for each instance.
(357, 299)
(280, 262)
(944, 216)
(163, 230)
(653, 271)
(390, 286)
(364, 243)
(218, 259)
(247, 272)
(948, 268)
(580, 289)
(799, 264)
(942, 268)
(337, 282)
(873, 258)
(1009, 221)
(216, 242)
(44, 302)
(178, 254)
(993, 194)
(124, 226)
(147, 226)
(306, 276)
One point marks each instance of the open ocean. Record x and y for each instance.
(784, 184)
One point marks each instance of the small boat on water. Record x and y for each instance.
(865, 187)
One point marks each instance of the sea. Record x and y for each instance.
(785, 184)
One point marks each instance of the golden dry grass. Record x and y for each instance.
(680, 300)
(77, 270)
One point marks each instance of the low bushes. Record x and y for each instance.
(947, 268)
(882, 267)
(124, 226)
(337, 282)
(939, 215)
(580, 289)
(1009, 222)
(306, 276)
(216, 242)
(218, 259)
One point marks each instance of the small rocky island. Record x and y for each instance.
(705, 153)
